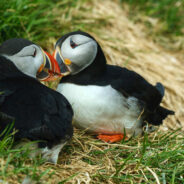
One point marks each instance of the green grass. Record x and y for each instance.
(19, 19)
(164, 155)
(169, 12)
(15, 162)
(36, 19)
(133, 160)
(40, 20)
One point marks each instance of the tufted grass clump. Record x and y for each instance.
(169, 12)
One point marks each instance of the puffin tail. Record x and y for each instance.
(157, 117)
(160, 88)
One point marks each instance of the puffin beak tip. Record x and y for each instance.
(50, 70)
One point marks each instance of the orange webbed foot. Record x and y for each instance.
(111, 138)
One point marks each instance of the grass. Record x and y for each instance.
(169, 12)
(35, 19)
(163, 19)
(40, 20)
(19, 19)
(162, 154)
(16, 162)
(153, 158)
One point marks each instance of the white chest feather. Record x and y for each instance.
(102, 109)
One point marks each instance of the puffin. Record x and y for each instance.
(37, 112)
(108, 100)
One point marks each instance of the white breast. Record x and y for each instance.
(102, 109)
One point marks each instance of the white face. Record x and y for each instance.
(80, 50)
(28, 60)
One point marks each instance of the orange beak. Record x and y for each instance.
(50, 69)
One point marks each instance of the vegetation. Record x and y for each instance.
(19, 19)
(154, 158)
(16, 161)
(36, 19)
(169, 12)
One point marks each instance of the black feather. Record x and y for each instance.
(125, 81)
(160, 88)
(40, 113)
(14, 45)
(156, 118)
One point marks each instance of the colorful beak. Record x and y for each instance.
(50, 69)
(63, 63)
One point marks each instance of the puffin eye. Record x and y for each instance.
(34, 54)
(73, 44)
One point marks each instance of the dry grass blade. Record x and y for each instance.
(154, 174)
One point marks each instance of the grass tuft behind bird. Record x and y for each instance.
(169, 12)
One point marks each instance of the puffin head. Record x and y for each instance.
(30, 59)
(78, 51)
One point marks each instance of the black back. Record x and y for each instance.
(127, 82)
(40, 113)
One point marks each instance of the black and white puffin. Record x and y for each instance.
(39, 113)
(106, 99)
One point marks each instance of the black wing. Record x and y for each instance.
(132, 84)
(125, 81)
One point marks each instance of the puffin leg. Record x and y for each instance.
(111, 138)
